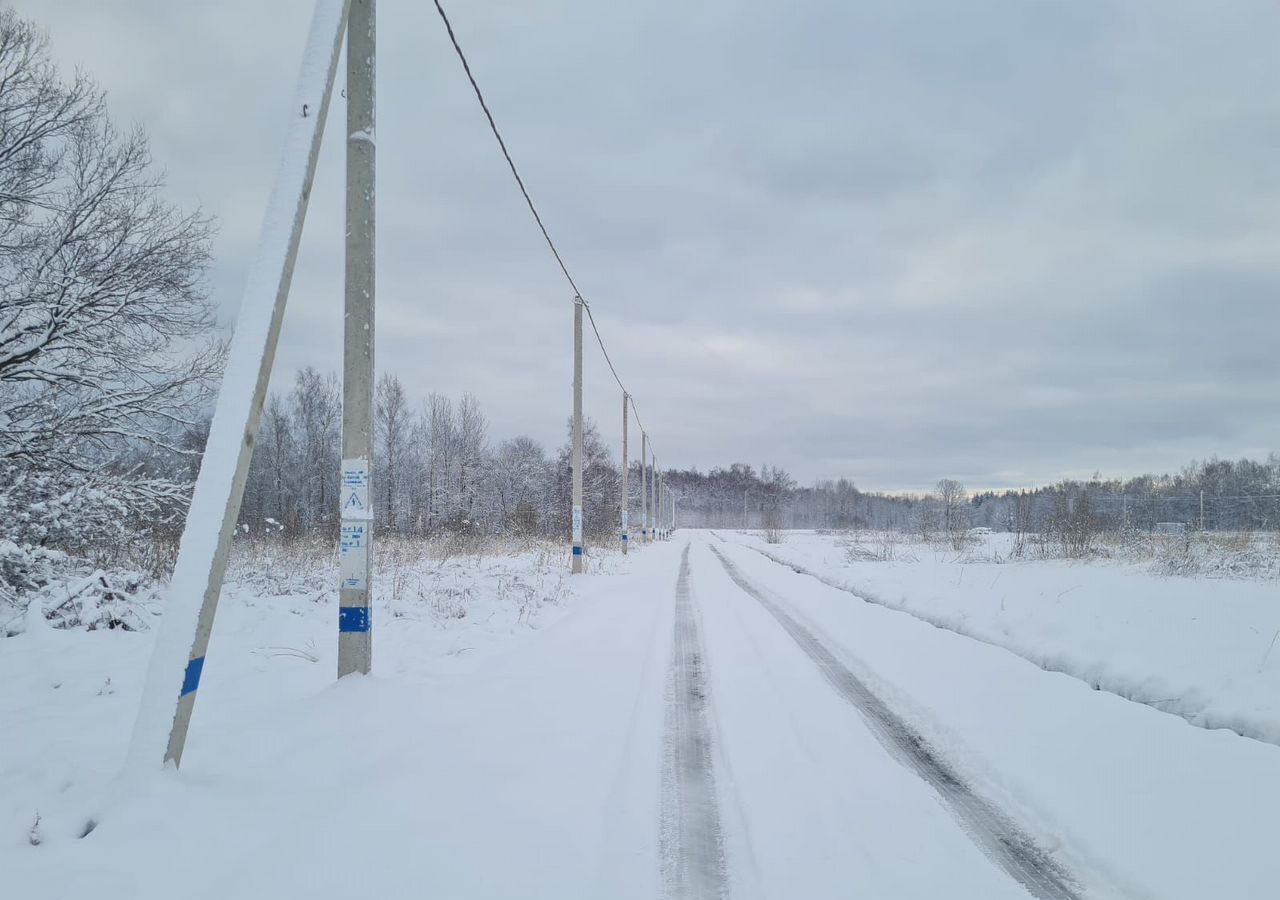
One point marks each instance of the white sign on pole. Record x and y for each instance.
(354, 490)
(353, 555)
(577, 524)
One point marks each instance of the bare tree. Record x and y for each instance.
(105, 322)
(520, 476)
(953, 510)
(317, 411)
(440, 433)
(277, 451)
(391, 433)
(472, 434)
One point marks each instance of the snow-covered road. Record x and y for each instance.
(703, 723)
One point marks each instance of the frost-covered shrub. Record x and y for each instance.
(278, 566)
(100, 601)
(53, 589)
(41, 510)
(72, 513)
(25, 568)
(1214, 555)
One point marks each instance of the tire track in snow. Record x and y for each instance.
(691, 844)
(994, 832)
(1115, 687)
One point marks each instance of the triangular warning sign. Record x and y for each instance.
(353, 502)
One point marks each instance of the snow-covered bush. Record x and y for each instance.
(42, 509)
(61, 528)
(99, 601)
(1214, 555)
(54, 589)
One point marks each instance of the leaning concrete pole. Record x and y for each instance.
(173, 677)
(577, 435)
(644, 486)
(626, 526)
(355, 623)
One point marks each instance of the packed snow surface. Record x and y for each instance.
(1206, 649)
(517, 736)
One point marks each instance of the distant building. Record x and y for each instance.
(1171, 528)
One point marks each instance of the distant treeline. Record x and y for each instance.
(437, 470)
(1239, 495)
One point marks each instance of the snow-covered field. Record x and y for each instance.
(1207, 649)
(70, 696)
(648, 727)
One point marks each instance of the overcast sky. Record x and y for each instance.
(1004, 241)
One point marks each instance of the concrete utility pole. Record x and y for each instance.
(1202, 510)
(658, 506)
(626, 529)
(662, 509)
(653, 477)
(644, 486)
(662, 493)
(177, 661)
(653, 498)
(577, 435)
(355, 625)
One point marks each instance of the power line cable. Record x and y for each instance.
(493, 126)
(502, 144)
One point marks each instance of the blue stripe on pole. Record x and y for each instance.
(353, 619)
(191, 679)
(625, 536)
(577, 551)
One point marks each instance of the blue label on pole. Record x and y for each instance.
(191, 680)
(577, 551)
(353, 618)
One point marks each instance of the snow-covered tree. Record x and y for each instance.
(521, 475)
(392, 449)
(601, 486)
(106, 361)
(317, 412)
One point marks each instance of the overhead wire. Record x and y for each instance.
(528, 199)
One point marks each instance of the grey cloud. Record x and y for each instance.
(999, 241)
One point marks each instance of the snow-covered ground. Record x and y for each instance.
(533, 748)
(1136, 803)
(70, 696)
(1207, 649)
